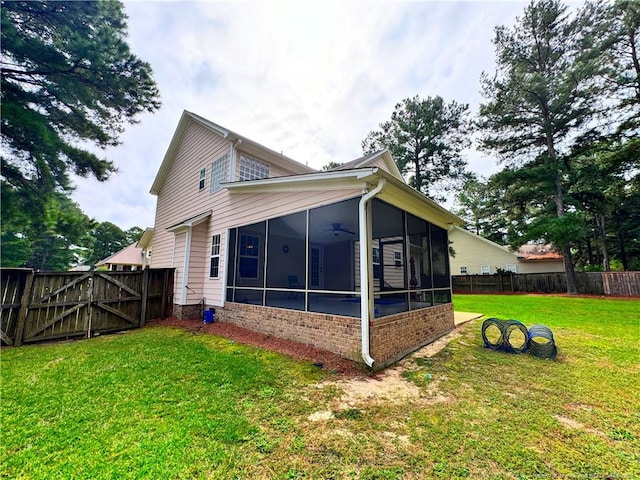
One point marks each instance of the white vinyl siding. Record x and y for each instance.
(174, 205)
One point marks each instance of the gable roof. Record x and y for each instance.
(367, 160)
(525, 253)
(145, 239)
(482, 239)
(189, 118)
(131, 255)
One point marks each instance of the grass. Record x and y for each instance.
(163, 403)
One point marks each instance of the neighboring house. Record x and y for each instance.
(145, 246)
(276, 247)
(128, 259)
(475, 255)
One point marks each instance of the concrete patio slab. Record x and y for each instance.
(464, 317)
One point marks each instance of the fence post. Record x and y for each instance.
(144, 297)
(24, 307)
(89, 301)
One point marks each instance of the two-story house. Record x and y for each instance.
(351, 260)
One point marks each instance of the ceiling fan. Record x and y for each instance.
(337, 228)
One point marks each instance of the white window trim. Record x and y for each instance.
(464, 270)
(215, 252)
(202, 179)
(485, 269)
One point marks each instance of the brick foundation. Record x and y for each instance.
(392, 337)
(395, 336)
(336, 334)
(184, 312)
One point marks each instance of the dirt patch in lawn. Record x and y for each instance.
(357, 388)
(390, 385)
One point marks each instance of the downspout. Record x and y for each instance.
(233, 160)
(366, 300)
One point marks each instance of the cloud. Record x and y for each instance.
(310, 79)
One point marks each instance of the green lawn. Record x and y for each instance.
(163, 403)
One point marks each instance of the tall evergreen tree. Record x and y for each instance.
(540, 98)
(426, 138)
(54, 241)
(480, 204)
(67, 77)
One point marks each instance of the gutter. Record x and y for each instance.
(366, 307)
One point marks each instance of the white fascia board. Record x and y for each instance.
(333, 180)
(252, 148)
(185, 119)
(190, 222)
(223, 132)
(145, 239)
(391, 163)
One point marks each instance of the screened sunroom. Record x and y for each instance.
(310, 261)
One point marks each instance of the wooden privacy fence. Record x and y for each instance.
(39, 306)
(587, 283)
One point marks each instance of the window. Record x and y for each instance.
(463, 270)
(375, 259)
(249, 251)
(252, 169)
(511, 268)
(203, 176)
(398, 258)
(219, 172)
(485, 269)
(214, 269)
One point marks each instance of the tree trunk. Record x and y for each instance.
(602, 233)
(589, 250)
(631, 33)
(559, 199)
(418, 175)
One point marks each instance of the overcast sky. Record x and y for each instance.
(310, 79)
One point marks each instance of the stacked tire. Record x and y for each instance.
(512, 336)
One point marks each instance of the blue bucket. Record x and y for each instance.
(209, 316)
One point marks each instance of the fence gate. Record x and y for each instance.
(39, 306)
(81, 304)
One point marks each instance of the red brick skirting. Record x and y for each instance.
(395, 336)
